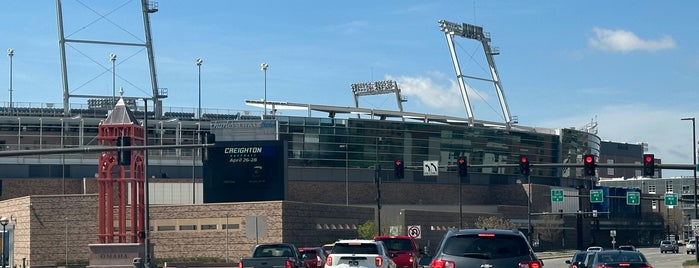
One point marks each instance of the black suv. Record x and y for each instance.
(485, 248)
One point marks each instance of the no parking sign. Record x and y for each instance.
(414, 231)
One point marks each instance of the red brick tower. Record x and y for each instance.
(120, 178)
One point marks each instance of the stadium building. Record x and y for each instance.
(307, 180)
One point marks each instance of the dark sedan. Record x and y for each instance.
(619, 258)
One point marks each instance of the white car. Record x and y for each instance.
(691, 246)
(359, 253)
(595, 249)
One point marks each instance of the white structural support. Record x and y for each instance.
(476, 33)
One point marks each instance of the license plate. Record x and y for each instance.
(353, 263)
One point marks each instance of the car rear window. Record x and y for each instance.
(491, 246)
(621, 256)
(397, 243)
(363, 248)
(308, 254)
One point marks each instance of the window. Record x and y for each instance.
(651, 189)
(208, 227)
(668, 188)
(166, 228)
(654, 204)
(188, 227)
(230, 226)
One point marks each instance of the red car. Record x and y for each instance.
(402, 250)
(313, 257)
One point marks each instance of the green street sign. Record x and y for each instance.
(671, 199)
(556, 195)
(633, 198)
(596, 196)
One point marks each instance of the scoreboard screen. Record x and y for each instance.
(244, 171)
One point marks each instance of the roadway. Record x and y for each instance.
(656, 259)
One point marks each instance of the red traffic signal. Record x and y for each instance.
(398, 169)
(524, 165)
(463, 166)
(648, 165)
(589, 165)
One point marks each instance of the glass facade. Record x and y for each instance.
(362, 143)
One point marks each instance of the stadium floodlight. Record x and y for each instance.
(377, 88)
(464, 30)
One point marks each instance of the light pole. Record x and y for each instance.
(694, 159)
(199, 62)
(10, 53)
(112, 58)
(4, 222)
(264, 102)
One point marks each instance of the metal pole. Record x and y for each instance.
(529, 208)
(66, 219)
(4, 236)
(461, 212)
(146, 198)
(113, 57)
(10, 53)
(264, 68)
(199, 62)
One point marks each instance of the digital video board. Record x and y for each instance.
(243, 171)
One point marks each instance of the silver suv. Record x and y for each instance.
(485, 248)
(669, 246)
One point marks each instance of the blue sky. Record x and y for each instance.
(631, 66)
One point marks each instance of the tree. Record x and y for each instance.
(494, 222)
(549, 228)
(367, 230)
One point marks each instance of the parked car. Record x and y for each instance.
(595, 248)
(273, 255)
(577, 259)
(669, 246)
(359, 253)
(313, 257)
(626, 247)
(691, 247)
(485, 248)
(402, 249)
(619, 258)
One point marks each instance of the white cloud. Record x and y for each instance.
(626, 41)
(436, 92)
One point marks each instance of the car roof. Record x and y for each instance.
(363, 241)
(486, 230)
(393, 236)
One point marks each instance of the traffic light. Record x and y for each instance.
(648, 165)
(124, 155)
(398, 169)
(589, 165)
(463, 167)
(524, 165)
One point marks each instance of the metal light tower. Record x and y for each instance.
(10, 53)
(112, 57)
(264, 68)
(199, 62)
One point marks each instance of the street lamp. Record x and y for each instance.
(4, 222)
(10, 53)
(112, 57)
(264, 68)
(694, 159)
(199, 62)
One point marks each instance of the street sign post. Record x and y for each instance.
(596, 196)
(633, 198)
(556, 195)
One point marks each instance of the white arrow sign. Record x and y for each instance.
(430, 168)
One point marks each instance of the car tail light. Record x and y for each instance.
(328, 261)
(530, 264)
(379, 261)
(442, 264)
(288, 264)
(240, 264)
